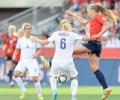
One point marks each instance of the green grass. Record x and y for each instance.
(84, 93)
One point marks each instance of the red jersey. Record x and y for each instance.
(96, 25)
(10, 45)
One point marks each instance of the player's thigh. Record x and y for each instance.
(32, 68)
(94, 62)
(72, 72)
(20, 68)
(80, 49)
(58, 66)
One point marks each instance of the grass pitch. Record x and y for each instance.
(84, 93)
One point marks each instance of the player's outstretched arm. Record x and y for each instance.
(106, 26)
(81, 19)
(43, 42)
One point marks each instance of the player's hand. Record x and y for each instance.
(68, 12)
(94, 37)
(34, 39)
(85, 38)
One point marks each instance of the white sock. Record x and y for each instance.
(38, 88)
(53, 83)
(74, 87)
(20, 84)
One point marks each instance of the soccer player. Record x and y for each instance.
(9, 45)
(101, 20)
(28, 59)
(63, 61)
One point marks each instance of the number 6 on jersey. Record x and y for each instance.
(63, 43)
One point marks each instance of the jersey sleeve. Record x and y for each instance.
(52, 38)
(38, 45)
(77, 37)
(18, 44)
(100, 19)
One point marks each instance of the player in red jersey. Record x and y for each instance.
(17, 57)
(101, 20)
(9, 45)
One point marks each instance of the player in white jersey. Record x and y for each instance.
(63, 61)
(28, 60)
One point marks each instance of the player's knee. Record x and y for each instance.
(17, 74)
(35, 79)
(73, 78)
(93, 69)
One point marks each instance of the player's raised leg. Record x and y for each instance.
(53, 83)
(20, 84)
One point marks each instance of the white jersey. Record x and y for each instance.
(64, 42)
(28, 48)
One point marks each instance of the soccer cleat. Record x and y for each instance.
(23, 95)
(54, 96)
(106, 93)
(45, 62)
(12, 84)
(73, 98)
(40, 98)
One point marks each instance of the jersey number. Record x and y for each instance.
(63, 43)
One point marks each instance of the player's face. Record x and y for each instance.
(28, 30)
(90, 12)
(67, 26)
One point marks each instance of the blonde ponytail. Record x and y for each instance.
(99, 8)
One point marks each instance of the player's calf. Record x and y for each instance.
(74, 87)
(37, 87)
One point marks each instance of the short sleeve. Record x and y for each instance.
(38, 45)
(100, 19)
(18, 44)
(52, 38)
(77, 37)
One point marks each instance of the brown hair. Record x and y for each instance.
(99, 8)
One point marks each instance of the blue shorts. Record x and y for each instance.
(94, 46)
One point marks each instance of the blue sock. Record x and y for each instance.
(100, 77)
(54, 96)
(10, 74)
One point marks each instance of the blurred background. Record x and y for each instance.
(44, 15)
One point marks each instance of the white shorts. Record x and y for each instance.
(31, 65)
(66, 67)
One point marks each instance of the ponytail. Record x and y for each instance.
(99, 8)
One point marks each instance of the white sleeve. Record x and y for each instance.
(52, 38)
(18, 44)
(38, 45)
(77, 37)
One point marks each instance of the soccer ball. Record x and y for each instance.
(62, 78)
